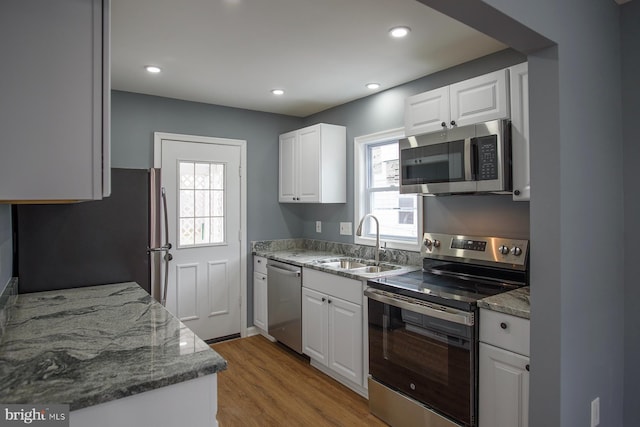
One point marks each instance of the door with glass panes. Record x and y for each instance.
(202, 183)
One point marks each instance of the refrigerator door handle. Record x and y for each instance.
(167, 257)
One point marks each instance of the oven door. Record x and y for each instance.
(424, 351)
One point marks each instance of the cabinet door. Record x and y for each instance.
(503, 388)
(309, 164)
(425, 112)
(345, 338)
(519, 87)
(314, 325)
(480, 99)
(52, 120)
(260, 301)
(287, 187)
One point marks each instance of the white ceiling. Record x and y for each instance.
(321, 52)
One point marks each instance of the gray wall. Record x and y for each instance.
(384, 111)
(630, 17)
(6, 246)
(135, 117)
(576, 216)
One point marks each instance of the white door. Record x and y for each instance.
(314, 325)
(479, 99)
(345, 339)
(425, 112)
(260, 301)
(288, 191)
(309, 164)
(504, 388)
(203, 187)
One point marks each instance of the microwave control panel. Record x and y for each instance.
(487, 158)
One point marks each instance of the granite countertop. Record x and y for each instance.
(313, 259)
(514, 302)
(91, 345)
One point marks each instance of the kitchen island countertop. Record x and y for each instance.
(514, 302)
(91, 345)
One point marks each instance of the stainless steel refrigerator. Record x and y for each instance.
(93, 243)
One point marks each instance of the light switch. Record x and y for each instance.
(345, 228)
(318, 227)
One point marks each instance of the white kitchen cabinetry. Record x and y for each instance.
(519, 84)
(260, 319)
(332, 326)
(313, 165)
(475, 100)
(504, 370)
(55, 103)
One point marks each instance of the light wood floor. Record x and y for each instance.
(268, 385)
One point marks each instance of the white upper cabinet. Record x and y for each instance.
(480, 99)
(313, 165)
(476, 100)
(427, 112)
(288, 166)
(519, 82)
(54, 108)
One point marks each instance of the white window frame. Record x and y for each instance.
(359, 182)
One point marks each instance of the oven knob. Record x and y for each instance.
(427, 243)
(436, 243)
(503, 250)
(516, 251)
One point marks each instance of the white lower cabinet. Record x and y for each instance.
(504, 373)
(260, 301)
(332, 326)
(260, 283)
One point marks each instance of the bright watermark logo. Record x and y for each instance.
(35, 415)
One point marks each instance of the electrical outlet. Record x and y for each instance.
(318, 227)
(345, 228)
(595, 412)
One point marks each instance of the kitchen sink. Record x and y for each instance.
(375, 268)
(355, 265)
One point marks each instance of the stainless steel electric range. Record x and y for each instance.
(423, 328)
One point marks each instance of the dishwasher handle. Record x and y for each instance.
(285, 272)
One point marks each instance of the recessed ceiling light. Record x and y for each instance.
(399, 32)
(372, 86)
(152, 69)
(277, 91)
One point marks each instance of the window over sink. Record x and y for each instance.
(377, 192)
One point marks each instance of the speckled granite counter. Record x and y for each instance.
(514, 302)
(92, 345)
(309, 253)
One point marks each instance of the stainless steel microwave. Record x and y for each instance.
(468, 159)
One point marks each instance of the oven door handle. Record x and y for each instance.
(422, 307)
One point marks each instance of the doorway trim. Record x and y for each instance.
(157, 163)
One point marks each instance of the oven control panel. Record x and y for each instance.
(506, 252)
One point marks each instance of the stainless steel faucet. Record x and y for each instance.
(359, 233)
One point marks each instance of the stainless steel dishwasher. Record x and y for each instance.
(284, 302)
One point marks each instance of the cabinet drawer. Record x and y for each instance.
(259, 264)
(504, 331)
(332, 284)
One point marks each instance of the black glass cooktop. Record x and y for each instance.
(457, 292)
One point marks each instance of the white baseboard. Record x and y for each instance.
(251, 331)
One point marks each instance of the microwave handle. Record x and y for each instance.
(470, 161)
